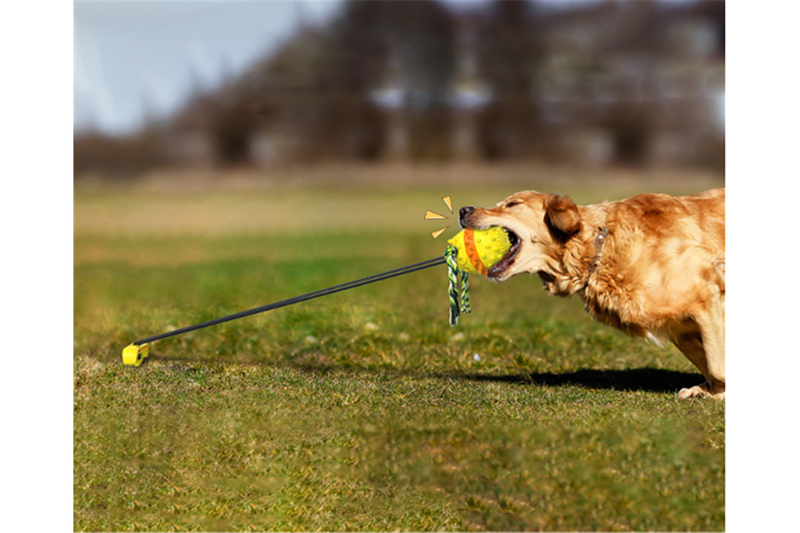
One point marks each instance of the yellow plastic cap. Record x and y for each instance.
(134, 354)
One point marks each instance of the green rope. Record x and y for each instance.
(456, 307)
(452, 276)
(465, 307)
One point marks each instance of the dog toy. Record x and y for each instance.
(471, 251)
(479, 250)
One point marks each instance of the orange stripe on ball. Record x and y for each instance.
(472, 252)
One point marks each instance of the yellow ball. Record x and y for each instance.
(480, 250)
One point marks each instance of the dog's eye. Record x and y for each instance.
(512, 203)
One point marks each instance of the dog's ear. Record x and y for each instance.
(562, 216)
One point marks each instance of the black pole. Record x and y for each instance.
(297, 299)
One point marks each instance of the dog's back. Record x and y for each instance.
(665, 257)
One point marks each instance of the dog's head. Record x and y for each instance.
(538, 226)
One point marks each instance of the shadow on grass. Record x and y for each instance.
(636, 379)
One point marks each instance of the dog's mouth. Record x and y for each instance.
(501, 266)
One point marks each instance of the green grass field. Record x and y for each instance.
(364, 410)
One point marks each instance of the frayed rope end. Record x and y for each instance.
(459, 302)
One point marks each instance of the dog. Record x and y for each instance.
(652, 266)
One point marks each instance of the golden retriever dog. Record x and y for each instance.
(652, 266)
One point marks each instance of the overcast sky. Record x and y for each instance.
(137, 58)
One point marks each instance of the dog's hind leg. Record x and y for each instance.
(706, 349)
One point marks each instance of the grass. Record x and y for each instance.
(363, 410)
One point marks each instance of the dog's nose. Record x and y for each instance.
(463, 213)
(466, 210)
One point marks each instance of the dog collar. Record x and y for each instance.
(599, 242)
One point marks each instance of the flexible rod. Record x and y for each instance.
(297, 299)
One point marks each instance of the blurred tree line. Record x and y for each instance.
(595, 83)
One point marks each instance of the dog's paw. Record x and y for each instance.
(705, 389)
